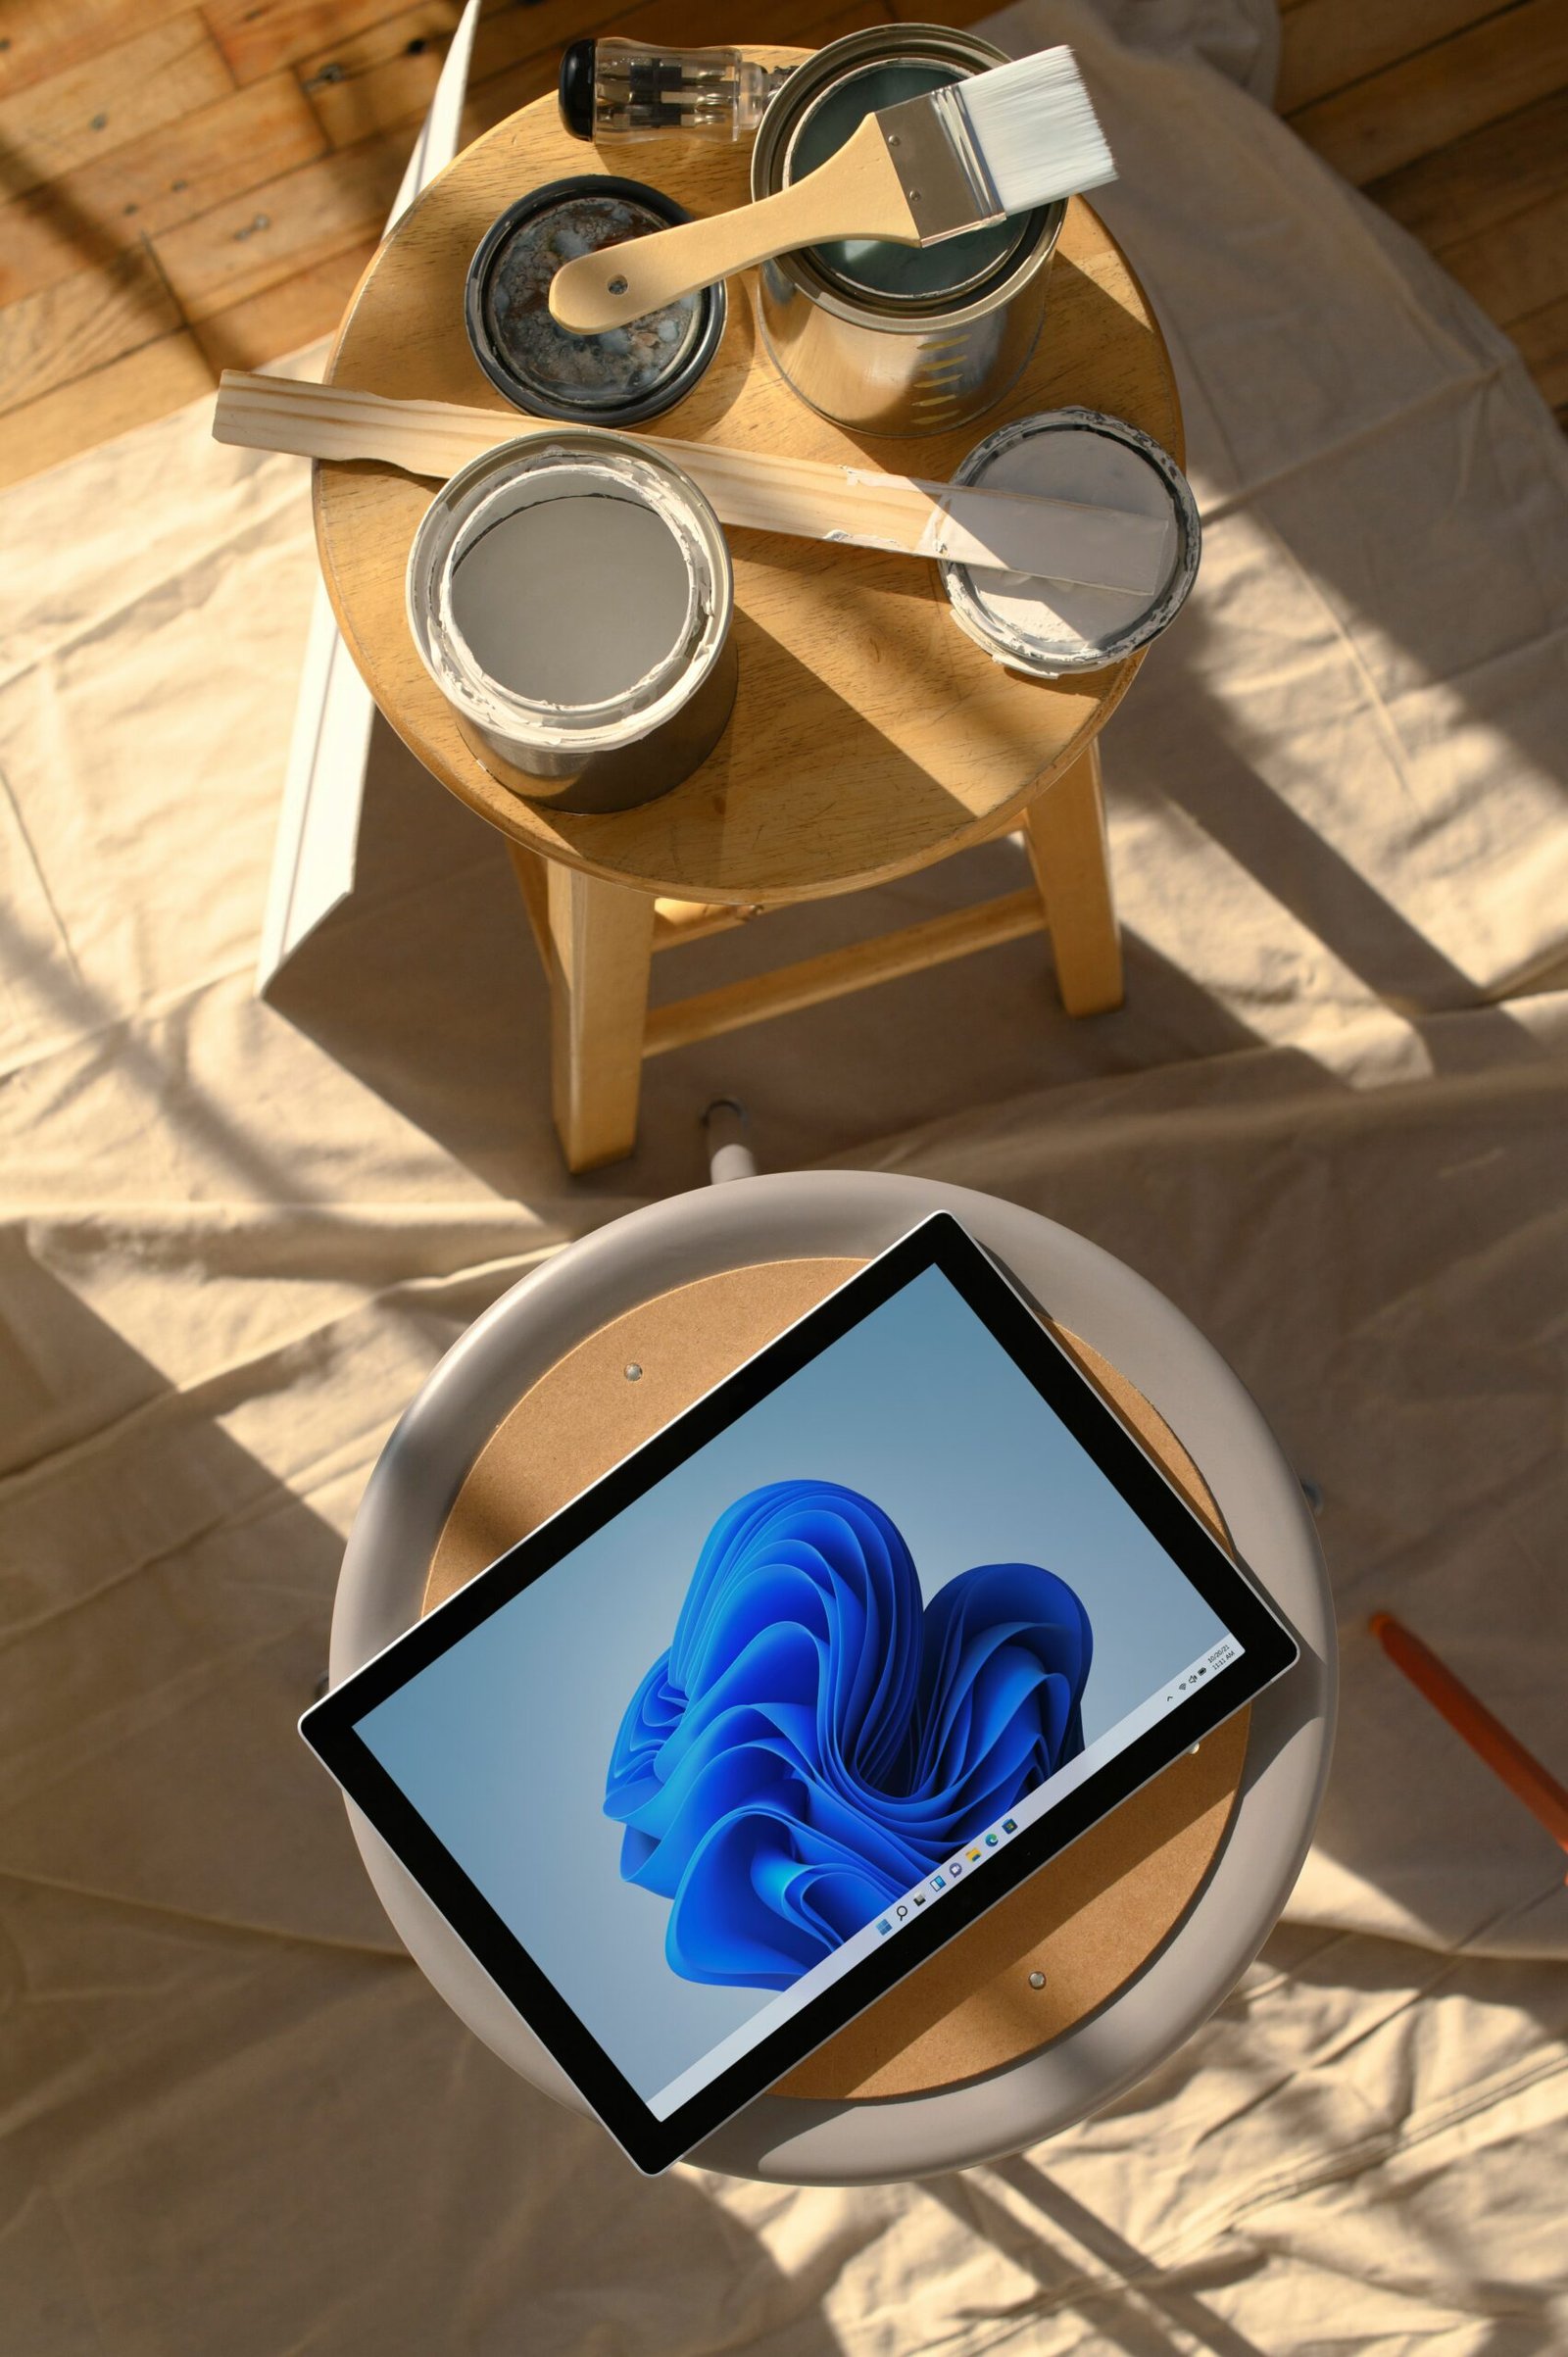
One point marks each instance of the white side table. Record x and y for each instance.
(828, 1214)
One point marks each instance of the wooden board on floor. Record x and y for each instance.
(1441, 93)
(151, 185)
(123, 90)
(279, 229)
(45, 37)
(129, 391)
(66, 332)
(1542, 341)
(1518, 266)
(1328, 45)
(1486, 177)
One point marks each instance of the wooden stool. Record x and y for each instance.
(869, 738)
(1143, 1927)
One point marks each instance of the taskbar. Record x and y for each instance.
(1064, 1780)
(970, 1859)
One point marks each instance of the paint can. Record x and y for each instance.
(891, 339)
(572, 597)
(1051, 628)
(621, 379)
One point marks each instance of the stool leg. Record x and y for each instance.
(1066, 829)
(601, 945)
(532, 872)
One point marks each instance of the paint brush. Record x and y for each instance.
(959, 158)
(1525, 1775)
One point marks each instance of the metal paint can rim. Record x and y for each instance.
(844, 281)
(811, 81)
(1002, 639)
(486, 345)
(516, 725)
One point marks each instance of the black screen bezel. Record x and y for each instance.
(939, 1243)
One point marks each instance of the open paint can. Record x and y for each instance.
(887, 338)
(1049, 628)
(572, 598)
(619, 378)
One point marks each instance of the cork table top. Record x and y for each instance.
(870, 737)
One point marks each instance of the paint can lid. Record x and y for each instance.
(1048, 628)
(619, 379)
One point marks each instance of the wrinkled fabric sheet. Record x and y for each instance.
(1330, 1122)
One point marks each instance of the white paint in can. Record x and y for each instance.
(570, 600)
(571, 595)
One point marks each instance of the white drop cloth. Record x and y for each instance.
(1329, 1123)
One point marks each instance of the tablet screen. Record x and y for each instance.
(793, 1698)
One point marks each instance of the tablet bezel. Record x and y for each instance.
(939, 1243)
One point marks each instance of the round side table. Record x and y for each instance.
(869, 737)
(1141, 1927)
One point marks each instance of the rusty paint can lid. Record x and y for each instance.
(619, 378)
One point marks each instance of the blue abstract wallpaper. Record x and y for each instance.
(816, 1739)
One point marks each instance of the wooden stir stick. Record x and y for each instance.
(1011, 531)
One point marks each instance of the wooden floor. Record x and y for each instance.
(192, 188)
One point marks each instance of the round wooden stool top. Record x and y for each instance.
(870, 737)
(1087, 1922)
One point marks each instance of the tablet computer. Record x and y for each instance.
(751, 1728)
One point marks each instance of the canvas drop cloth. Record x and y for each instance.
(1330, 1122)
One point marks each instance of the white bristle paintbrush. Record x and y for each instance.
(958, 159)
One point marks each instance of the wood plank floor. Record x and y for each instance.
(186, 189)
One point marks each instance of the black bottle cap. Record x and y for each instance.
(575, 91)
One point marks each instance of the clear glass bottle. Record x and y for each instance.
(613, 90)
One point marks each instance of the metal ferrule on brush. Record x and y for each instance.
(940, 167)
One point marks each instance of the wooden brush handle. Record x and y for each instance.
(854, 194)
(805, 497)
